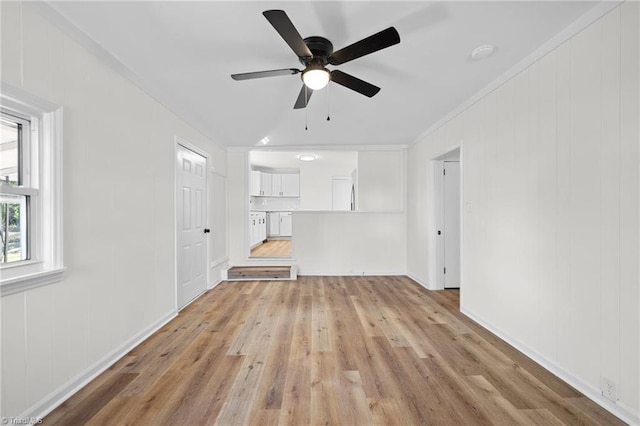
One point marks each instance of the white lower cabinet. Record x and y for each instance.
(257, 228)
(285, 225)
(274, 224)
(279, 224)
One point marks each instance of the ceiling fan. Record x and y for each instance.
(315, 53)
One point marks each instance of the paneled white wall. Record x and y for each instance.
(238, 199)
(118, 218)
(316, 180)
(349, 243)
(381, 181)
(551, 218)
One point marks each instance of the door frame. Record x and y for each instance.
(182, 143)
(435, 198)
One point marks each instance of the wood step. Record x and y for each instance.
(259, 272)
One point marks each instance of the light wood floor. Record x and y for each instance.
(273, 248)
(326, 350)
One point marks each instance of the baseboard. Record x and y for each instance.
(217, 262)
(621, 411)
(218, 271)
(214, 283)
(352, 274)
(419, 281)
(64, 392)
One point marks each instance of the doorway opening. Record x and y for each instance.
(447, 202)
(281, 183)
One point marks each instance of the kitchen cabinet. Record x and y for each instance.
(286, 224)
(261, 183)
(290, 184)
(280, 224)
(274, 184)
(285, 185)
(257, 228)
(274, 224)
(262, 227)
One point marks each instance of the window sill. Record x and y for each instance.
(30, 281)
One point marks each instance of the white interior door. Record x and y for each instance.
(451, 216)
(191, 213)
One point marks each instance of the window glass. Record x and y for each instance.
(30, 191)
(14, 196)
(13, 219)
(10, 152)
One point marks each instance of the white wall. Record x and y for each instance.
(118, 218)
(349, 243)
(381, 180)
(551, 218)
(315, 179)
(238, 199)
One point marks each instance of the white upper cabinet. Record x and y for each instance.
(290, 185)
(275, 184)
(266, 181)
(285, 185)
(261, 183)
(255, 183)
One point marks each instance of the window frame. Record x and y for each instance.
(44, 186)
(27, 164)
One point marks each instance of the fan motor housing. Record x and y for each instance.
(321, 49)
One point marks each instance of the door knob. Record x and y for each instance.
(207, 230)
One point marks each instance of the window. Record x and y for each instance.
(16, 195)
(30, 191)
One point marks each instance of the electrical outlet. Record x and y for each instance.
(608, 389)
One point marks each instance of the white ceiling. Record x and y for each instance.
(182, 53)
(347, 160)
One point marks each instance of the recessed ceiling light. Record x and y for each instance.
(482, 52)
(307, 157)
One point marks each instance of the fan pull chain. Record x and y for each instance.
(306, 104)
(328, 117)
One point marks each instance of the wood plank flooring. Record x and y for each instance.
(326, 350)
(273, 248)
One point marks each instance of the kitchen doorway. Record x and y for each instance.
(281, 183)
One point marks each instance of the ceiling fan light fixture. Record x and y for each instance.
(316, 78)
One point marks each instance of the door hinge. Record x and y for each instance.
(445, 270)
(444, 171)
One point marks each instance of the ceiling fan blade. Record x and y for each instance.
(353, 83)
(284, 27)
(303, 97)
(262, 74)
(378, 41)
